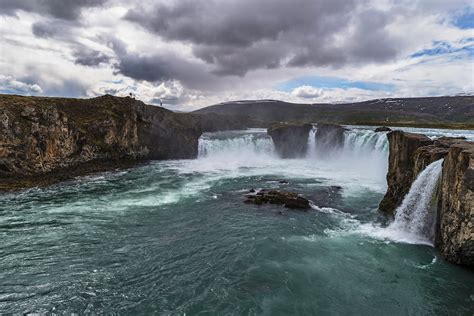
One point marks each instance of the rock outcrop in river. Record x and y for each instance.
(288, 199)
(291, 140)
(454, 201)
(50, 139)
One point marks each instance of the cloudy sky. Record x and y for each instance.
(193, 53)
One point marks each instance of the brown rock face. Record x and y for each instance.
(455, 232)
(401, 166)
(291, 140)
(42, 135)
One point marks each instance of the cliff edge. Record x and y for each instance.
(44, 140)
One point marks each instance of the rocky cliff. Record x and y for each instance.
(409, 155)
(56, 138)
(291, 140)
(455, 231)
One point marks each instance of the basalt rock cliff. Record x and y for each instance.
(455, 231)
(50, 139)
(454, 201)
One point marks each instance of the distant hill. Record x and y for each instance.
(449, 111)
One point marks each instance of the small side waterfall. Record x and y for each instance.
(414, 216)
(311, 151)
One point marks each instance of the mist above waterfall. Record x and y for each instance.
(252, 152)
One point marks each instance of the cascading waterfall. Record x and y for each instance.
(357, 142)
(415, 217)
(311, 151)
(235, 144)
(365, 141)
(362, 150)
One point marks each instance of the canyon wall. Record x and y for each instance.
(57, 138)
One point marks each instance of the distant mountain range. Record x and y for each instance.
(449, 111)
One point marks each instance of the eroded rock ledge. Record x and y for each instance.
(409, 155)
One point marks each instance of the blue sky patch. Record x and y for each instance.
(440, 48)
(333, 82)
(465, 21)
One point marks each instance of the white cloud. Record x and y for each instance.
(307, 92)
(46, 65)
(11, 85)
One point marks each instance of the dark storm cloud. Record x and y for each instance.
(61, 9)
(236, 36)
(89, 57)
(44, 30)
(159, 67)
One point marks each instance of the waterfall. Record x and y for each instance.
(234, 144)
(365, 141)
(414, 217)
(311, 151)
(254, 148)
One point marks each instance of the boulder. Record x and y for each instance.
(288, 199)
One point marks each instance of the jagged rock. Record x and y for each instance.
(382, 129)
(455, 231)
(288, 199)
(329, 137)
(291, 140)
